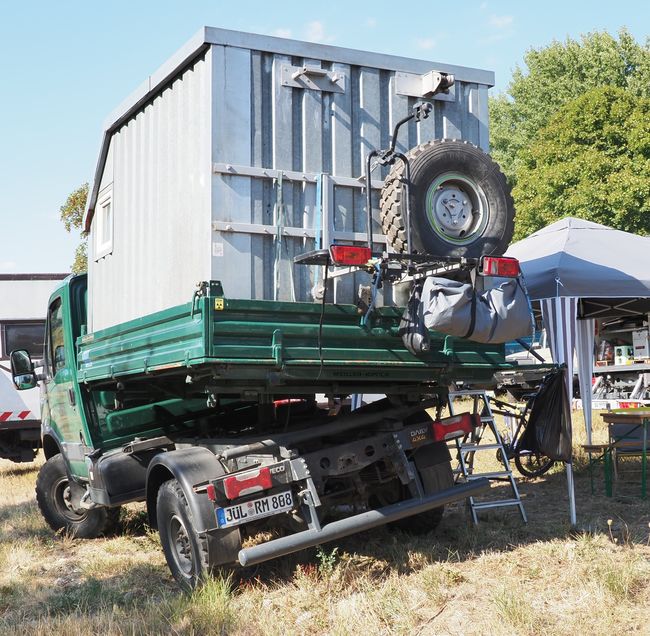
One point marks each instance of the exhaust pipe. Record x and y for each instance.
(358, 523)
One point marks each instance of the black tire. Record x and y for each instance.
(188, 554)
(450, 180)
(434, 479)
(56, 501)
(531, 464)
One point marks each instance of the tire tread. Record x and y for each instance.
(392, 216)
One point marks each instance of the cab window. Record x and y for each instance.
(56, 352)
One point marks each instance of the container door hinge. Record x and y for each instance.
(313, 78)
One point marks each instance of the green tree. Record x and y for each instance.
(72, 214)
(592, 161)
(555, 75)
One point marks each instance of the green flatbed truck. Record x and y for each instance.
(209, 412)
(231, 415)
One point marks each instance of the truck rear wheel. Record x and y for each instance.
(58, 503)
(188, 554)
(460, 202)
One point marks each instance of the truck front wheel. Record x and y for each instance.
(58, 504)
(187, 553)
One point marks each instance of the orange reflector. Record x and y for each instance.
(246, 483)
(452, 427)
(503, 266)
(350, 254)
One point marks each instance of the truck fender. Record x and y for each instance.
(189, 466)
(51, 445)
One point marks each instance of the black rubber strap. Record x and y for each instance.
(472, 320)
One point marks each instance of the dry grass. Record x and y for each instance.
(501, 577)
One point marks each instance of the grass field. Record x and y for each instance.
(501, 577)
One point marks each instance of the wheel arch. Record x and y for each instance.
(50, 446)
(190, 467)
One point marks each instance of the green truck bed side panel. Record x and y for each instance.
(252, 338)
(170, 337)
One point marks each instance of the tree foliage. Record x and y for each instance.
(592, 160)
(72, 214)
(555, 75)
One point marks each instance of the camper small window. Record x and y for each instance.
(104, 226)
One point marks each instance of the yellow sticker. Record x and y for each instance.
(218, 304)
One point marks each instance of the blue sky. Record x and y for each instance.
(65, 65)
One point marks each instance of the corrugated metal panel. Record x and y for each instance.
(264, 124)
(161, 203)
(190, 148)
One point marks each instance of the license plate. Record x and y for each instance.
(254, 509)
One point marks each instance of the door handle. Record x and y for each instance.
(71, 397)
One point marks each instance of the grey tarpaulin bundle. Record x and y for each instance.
(549, 425)
(496, 315)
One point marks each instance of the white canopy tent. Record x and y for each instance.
(580, 270)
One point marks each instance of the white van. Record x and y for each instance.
(23, 298)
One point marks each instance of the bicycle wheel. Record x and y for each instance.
(531, 464)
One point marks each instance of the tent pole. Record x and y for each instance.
(572, 494)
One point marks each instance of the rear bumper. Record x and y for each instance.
(358, 523)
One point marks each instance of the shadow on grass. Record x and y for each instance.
(501, 529)
(19, 470)
(387, 550)
(24, 521)
(141, 587)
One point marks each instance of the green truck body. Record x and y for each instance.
(219, 387)
(256, 350)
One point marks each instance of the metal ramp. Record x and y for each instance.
(472, 443)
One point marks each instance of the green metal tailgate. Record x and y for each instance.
(278, 342)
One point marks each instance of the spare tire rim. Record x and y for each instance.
(456, 208)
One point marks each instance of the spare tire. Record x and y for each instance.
(460, 202)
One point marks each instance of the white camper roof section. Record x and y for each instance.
(208, 36)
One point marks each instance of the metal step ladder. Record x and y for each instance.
(468, 446)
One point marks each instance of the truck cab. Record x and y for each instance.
(64, 425)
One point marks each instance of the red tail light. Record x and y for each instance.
(502, 266)
(247, 483)
(288, 402)
(452, 427)
(350, 254)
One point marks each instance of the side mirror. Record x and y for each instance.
(22, 370)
